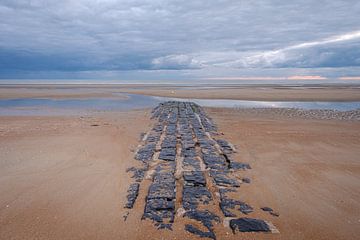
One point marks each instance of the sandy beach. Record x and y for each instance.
(179, 120)
(64, 177)
(339, 92)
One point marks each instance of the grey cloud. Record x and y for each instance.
(158, 34)
(176, 62)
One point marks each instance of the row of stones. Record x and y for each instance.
(195, 194)
(188, 125)
(160, 201)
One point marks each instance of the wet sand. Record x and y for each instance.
(258, 93)
(250, 92)
(65, 177)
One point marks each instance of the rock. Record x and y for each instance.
(162, 190)
(226, 204)
(138, 173)
(246, 180)
(245, 208)
(192, 162)
(237, 165)
(192, 196)
(146, 152)
(133, 192)
(221, 178)
(225, 146)
(205, 217)
(249, 225)
(194, 230)
(194, 178)
(168, 154)
(266, 209)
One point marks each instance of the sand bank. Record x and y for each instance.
(251, 92)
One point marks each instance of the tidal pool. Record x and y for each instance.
(40, 106)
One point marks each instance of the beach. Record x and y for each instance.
(262, 92)
(65, 177)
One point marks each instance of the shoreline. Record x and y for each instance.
(245, 92)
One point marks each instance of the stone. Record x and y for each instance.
(192, 196)
(192, 162)
(226, 204)
(162, 177)
(205, 217)
(194, 178)
(169, 142)
(246, 180)
(138, 173)
(266, 209)
(222, 179)
(249, 225)
(225, 146)
(194, 230)
(146, 152)
(245, 208)
(237, 165)
(185, 126)
(133, 192)
(188, 153)
(168, 154)
(162, 190)
(214, 161)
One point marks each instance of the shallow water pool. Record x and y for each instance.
(40, 106)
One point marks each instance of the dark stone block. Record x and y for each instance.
(165, 226)
(169, 142)
(225, 146)
(214, 161)
(245, 208)
(163, 177)
(194, 230)
(190, 152)
(246, 180)
(205, 217)
(162, 190)
(160, 204)
(194, 178)
(226, 204)
(249, 225)
(191, 162)
(138, 173)
(237, 165)
(221, 179)
(168, 154)
(133, 192)
(266, 209)
(146, 152)
(192, 196)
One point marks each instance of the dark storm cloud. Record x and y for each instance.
(115, 35)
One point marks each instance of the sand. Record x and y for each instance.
(62, 178)
(258, 93)
(250, 92)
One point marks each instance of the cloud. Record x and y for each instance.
(308, 77)
(153, 35)
(176, 62)
(336, 51)
(350, 78)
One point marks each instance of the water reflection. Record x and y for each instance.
(228, 103)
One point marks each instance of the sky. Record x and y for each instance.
(164, 39)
